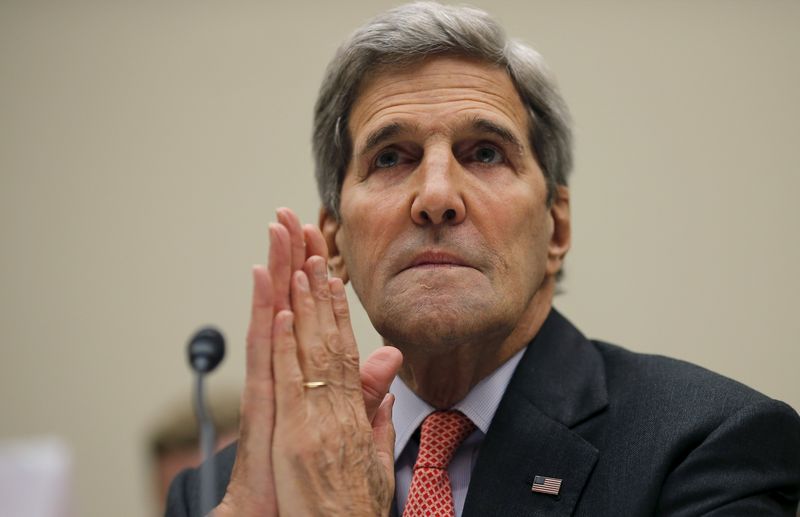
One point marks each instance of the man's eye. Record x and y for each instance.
(488, 155)
(387, 159)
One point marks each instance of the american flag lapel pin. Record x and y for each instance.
(544, 485)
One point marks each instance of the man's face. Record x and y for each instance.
(444, 227)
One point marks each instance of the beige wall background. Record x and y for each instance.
(145, 145)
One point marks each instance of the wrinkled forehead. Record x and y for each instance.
(440, 86)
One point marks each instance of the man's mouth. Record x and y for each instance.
(436, 259)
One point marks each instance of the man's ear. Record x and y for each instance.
(330, 227)
(561, 238)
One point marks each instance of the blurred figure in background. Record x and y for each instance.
(174, 441)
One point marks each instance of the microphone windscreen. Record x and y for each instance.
(206, 349)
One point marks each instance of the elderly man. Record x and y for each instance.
(442, 154)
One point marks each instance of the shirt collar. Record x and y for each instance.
(479, 405)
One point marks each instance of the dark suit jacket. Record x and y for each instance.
(629, 434)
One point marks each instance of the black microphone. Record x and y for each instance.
(206, 350)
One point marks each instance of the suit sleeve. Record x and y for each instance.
(178, 498)
(183, 499)
(749, 465)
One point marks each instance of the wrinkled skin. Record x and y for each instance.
(292, 457)
(448, 238)
(445, 229)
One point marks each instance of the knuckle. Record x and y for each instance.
(350, 360)
(286, 345)
(318, 357)
(308, 304)
(368, 389)
(322, 293)
(333, 341)
(340, 309)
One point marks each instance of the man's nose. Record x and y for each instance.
(439, 196)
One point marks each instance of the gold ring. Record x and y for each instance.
(314, 384)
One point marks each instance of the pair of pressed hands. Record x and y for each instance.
(309, 451)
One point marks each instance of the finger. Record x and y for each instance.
(286, 369)
(257, 406)
(383, 435)
(341, 311)
(377, 374)
(252, 481)
(315, 269)
(259, 333)
(315, 242)
(280, 265)
(316, 361)
(296, 239)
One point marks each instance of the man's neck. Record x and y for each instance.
(445, 379)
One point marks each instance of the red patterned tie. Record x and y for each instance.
(430, 494)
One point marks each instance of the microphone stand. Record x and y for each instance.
(205, 351)
(207, 441)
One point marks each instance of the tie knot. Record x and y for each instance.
(442, 432)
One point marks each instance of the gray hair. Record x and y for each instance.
(406, 35)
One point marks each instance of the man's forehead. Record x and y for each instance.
(463, 89)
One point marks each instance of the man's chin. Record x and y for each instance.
(435, 325)
(439, 290)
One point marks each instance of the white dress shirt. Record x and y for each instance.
(409, 411)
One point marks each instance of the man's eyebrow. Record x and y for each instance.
(389, 131)
(487, 126)
(381, 135)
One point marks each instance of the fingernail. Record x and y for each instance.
(288, 322)
(302, 281)
(320, 270)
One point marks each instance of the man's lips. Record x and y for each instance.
(432, 259)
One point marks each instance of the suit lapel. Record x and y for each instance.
(559, 383)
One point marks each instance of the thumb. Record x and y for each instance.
(377, 374)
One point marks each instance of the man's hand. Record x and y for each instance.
(328, 458)
(251, 490)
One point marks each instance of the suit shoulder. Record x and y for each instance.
(691, 441)
(676, 389)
